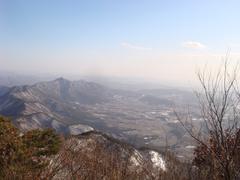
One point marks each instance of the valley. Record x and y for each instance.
(144, 118)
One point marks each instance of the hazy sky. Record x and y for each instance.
(151, 39)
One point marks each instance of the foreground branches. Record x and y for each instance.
(25, 156)
(218, 139)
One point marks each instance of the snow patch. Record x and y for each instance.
(190, 147)
(157, 160)
(136, 158)
(79, 129)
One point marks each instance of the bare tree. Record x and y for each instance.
(217, 153)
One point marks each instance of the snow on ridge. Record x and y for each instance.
(136, 158)
(79, 129)
(157, 160)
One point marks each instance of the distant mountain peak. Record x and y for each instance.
(61, 79)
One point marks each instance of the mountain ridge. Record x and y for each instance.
(74, 107)
(46, 100)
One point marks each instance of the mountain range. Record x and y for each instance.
(140, 117)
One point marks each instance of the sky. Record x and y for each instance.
(159, 40)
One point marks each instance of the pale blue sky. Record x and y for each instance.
(140, 38)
